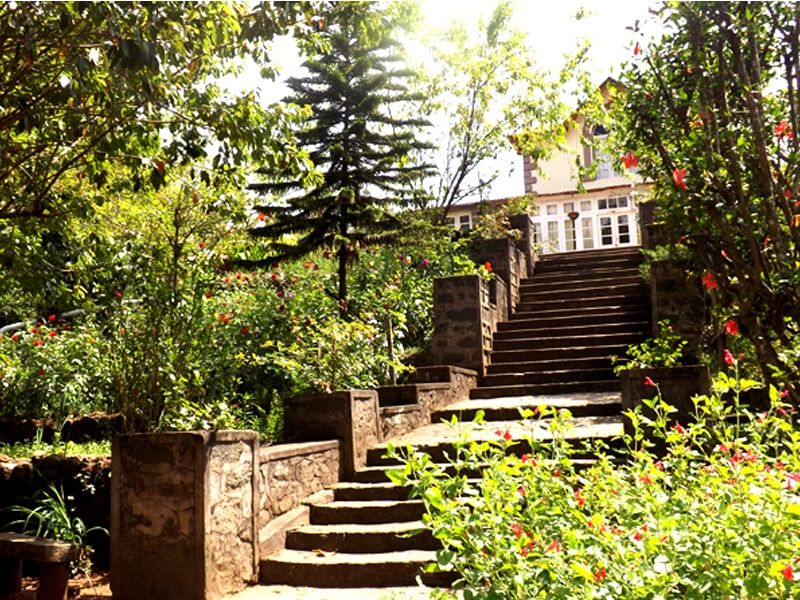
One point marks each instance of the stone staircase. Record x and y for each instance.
(574, 313)
(579, 309)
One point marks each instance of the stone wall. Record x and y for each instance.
(183, 514)
(466, 311)
(406, 407)
(290, 473)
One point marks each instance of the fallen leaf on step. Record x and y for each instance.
(318, 552)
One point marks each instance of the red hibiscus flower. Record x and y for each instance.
(679, 177)
(728, 357)
(784, 130)
(710, 281)
(488, 266)
(600, 575)
(650, 382)
(679, 428)
(629, 159)
(637, 49)
(788, 572)
(517, 529)
(732, 327)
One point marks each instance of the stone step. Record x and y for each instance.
(616, 326)
(363, 492)
(592, 254)
(507, 409)
(620, 340)
(605, 312)
(533, 366)
(580, 289)
(577, 266)
(579, 304)
(625, 275)
(340, 512)
(438, 440)
(541, 377)
(569, 318)
(533, 389)
(304, 568)
(539, 353)
(360, 539)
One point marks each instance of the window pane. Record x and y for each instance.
(552, 209)
(568, 207)
(587, 232)
(602, 204)
(569, 234)
(623, 202)
(612, 203)
(606, 234)
(586, 205)
(537, 233)
(624, 229)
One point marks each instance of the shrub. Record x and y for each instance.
(715, 516)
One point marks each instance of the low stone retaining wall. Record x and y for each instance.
(406, 407)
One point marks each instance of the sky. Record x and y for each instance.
(552, 30)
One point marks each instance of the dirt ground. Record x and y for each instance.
(93, 587)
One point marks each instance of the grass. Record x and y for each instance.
(21, 450)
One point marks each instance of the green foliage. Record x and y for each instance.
(486, 87)
(360, 137)
(710, 110)
(90, 86)
(715, 516)
(52, 518)
(664, 350)
(53, 370)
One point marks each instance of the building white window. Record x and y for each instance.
(450, 221)
(465, 222)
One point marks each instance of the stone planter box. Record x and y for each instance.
(677, 384)
(183, 514)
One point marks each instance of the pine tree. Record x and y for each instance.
(362, 147)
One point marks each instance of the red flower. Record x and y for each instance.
(53, 333)
(506, 435)
(117, 295)
(15, 337)
(555, 546)
(784, 130)
(788, 572)
(245, 330)
(679, 176)
(788, 194)
(488, 266)
(650, 382)
(679, 428)
(40, 372)
(646, 479)
(517, 529)
(52, 318)
(34, 330)
(709, 281)
(225, 318)
(731, 327)
(262, 217)
(629, 159)
(728, 357)
(723, 447)
(638, 536)
(37, 342)
(581, 500)
(600, 575)
(521, 491)
(784, 393)
(792, 481)
(636, 49)
(659, 464)
(202, 245)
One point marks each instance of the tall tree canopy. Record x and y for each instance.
(712, 112)
(486, 89)
(84, 84)
(360, 138)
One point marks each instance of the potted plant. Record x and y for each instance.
(660, 364)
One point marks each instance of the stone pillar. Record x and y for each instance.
(525, 244)
(677, 296)
(466, 311)
(508, 264)
(183, 514)
(351, 416)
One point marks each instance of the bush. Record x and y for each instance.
(716, 516)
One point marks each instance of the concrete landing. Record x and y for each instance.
(285, 592)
